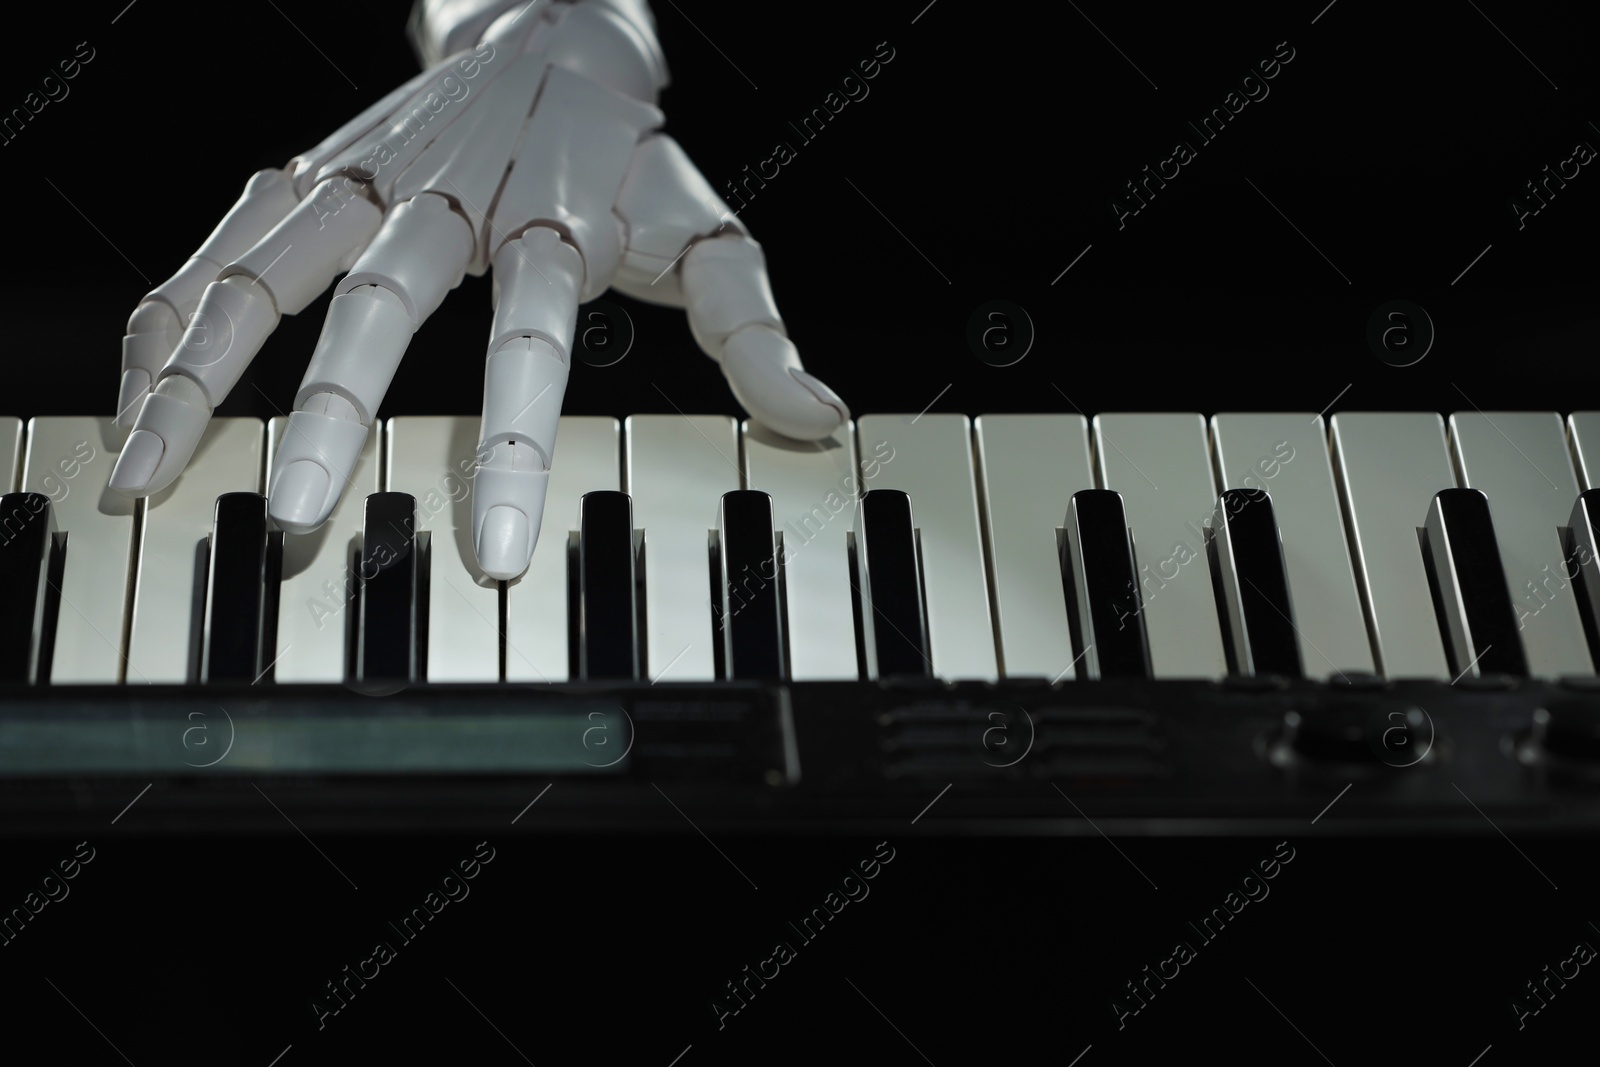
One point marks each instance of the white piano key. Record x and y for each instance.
(433, 458)
(588, 457)
(168, 598)
(1287, 456)
(1161, 464)
(678, 467)
(815, 488)
(1519, 459)
(69, 460)
(930, 457)
(1390, 466)
(10, 453)
(316, 600)
(1031, 466)
(1585, 429)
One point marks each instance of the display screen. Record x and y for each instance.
(324, 737)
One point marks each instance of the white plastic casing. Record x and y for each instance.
(157, 324)
(235, 318)
(426, 224)
(439, 28)
(372, 321)
(536, 280)
(300, 256)
(380, 157)
(530, 144)
(725, 284)
(666, 204)
(328, 444)
(570, 168)
(467, 163)
(307, 168)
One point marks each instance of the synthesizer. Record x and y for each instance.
(1036, 623)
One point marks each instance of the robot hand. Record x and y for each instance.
(534, 152)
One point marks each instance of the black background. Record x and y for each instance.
(994, 141)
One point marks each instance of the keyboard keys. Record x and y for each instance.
(1521, 461)
(1030, 465)
(888, 575)
(749, 616)
(815, 487)
(1161, 465)
(1255, 585)
(678, 467)
(587, 458)
(1098, 573)
(990, 524)
(1390, 466)
(69, 459)
(10, 452)
(433, 459)
(317, 597)
(930, 458)
(1473, 601)
(1584, 428)
(1286, 454)
(27, 537)
(387, 650)
(608, 624)
(164, 632)
(238, 601)
(1583, 563)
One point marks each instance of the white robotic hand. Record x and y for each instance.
(534, 152)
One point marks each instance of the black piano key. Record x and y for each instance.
(749, 617)
(1255, 584)
(236, 641)
(893, 624)
(1480, 625)
(273, 582)
(1583, 564)
(1102, 585)
(608, 621)
(389, 577)
(27, 534)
